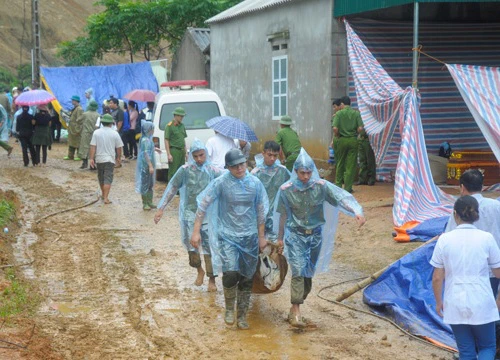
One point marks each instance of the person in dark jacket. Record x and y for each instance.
(41, 135)
(24, 129)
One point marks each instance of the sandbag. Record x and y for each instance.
(271, 271)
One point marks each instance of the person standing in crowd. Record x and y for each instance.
(289, 141)
(244, 146)
(217, 148)
(304, 229)
(190, 180)
(74, 128)
(130, 135)
(105, 148)
(336, 106)
(5, 102)
(238, 220)
(462, 259)
(55, 124)
(24, 130)
(4, 132)
(147, 112)
(272, 175)
(88, 127)
(471, 183)
(41, 135)
(367, 164)
(347, 124)
(175, 142)
(119, 117)
(145, 170)
(89, 95)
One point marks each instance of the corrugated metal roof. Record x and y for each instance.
(349, 7)
(201, 37)
(245, 7)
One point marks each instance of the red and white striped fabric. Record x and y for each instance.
(385, 107)
(480, 88)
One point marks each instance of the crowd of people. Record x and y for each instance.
(229, 214)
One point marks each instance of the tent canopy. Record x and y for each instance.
(116, 80)
(349, 7)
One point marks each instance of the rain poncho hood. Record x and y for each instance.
(235, 207)
(143, 179)
(272, 177)
(190, 180)
(310, 228)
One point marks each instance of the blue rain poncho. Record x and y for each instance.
(190, 180)
(4, 128)
(235, 208)
(311, 211)
(272, 177)
(144, 181)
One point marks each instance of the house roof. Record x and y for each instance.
(245, 7)
(201, 37)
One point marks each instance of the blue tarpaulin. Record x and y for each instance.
(116, 80)
(404, 294)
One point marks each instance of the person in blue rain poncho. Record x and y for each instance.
(237, 206)
(190, 180)
(272, 175)
(145, 170)
(308, 208)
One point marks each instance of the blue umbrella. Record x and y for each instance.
(232, 127)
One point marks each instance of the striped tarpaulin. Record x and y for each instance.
(385, 107)
(480, 88)
(445, 116)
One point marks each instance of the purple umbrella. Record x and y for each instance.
(34, 97)
(232, 127)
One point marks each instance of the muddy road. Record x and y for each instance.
(116, 286)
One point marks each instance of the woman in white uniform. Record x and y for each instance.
(462, 259)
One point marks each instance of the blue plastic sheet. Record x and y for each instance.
(404, 294)
(116, 80)
(428, 229)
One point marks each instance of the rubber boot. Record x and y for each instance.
(145, 202)
(243, 305)
(150, 200)
(85, 163)
(230, 297)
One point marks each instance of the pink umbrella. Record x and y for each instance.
(141, 95)
(34, 97)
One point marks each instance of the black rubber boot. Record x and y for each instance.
(243, 305)
(230, 297)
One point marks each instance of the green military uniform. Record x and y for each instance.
(290, 145)
(74, 130)
(176, 134)
(88, 126)
(347, 121)
(367, 164)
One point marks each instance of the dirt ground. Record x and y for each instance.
(116, 286)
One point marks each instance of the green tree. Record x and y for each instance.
(138, 27)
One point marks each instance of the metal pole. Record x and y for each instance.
(36, 44)
(414, 82)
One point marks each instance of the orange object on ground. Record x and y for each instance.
(401, 234)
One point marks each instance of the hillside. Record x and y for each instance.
(60, 20)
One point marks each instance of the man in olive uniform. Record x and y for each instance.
(289, 142)
(88, 126)
(74, 129)
(347, 124)
(175, 143)
(367, 164)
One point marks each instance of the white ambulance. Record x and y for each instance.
(200, 105)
